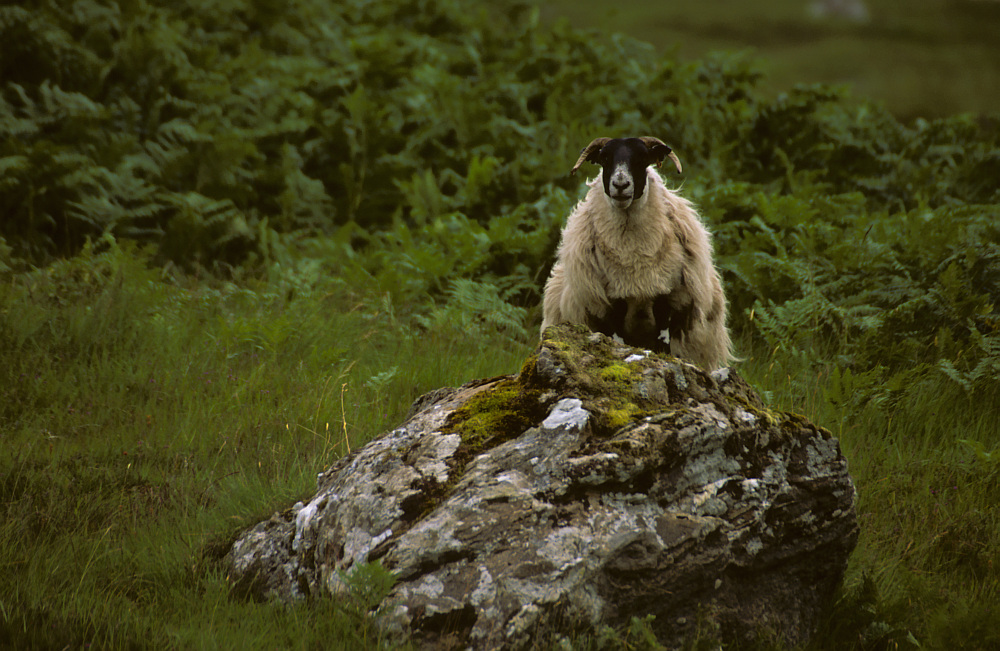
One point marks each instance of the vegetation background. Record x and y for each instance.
(238, 238)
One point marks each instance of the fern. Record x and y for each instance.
(209, 223)
(8, 262)
(415, 148)
(477, 308)
(985, 374)
(303, 200)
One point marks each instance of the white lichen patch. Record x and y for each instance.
(485, 590)
(245, 550)
(744, 416)
(819, 454)
(429, 586)
(807, 518)
(720, 375)
(704, 469)
(515, 478)
(752, 487)
(707, 501)
(434, 464)
(637, 357)
(568, 413)
(523, 621)
(565, 547)
(303, 517)
(359, 542)
(429, 540)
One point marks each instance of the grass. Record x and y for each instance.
(927, 565)
(921, 58)
(144, 422)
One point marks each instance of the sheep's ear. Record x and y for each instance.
(589, 153)
(659, 150)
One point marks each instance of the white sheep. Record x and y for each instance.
(636, 261)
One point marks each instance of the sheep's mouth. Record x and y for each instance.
(621, 201)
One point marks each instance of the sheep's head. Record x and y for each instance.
(625, 161)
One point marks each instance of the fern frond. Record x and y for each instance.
(11, 165)
(17, 121)
(477, 307)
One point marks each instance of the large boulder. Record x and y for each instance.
(600, 483)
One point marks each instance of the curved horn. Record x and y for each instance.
(653, 144)
(595, 145)
(677, 162)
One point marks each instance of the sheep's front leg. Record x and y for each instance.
(570, 302)
(610, 320)
(645, 323)
(634, 320)
(551, 310)
(675, 315)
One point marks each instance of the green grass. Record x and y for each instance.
(144, 422)
(927, 565)
(922, 58)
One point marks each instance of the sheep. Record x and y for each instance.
(636, 261)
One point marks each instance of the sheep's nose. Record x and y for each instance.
(622, 184)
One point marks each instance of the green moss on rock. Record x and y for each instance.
(618, 373)
(609, 387)
(618, 417)
(499, 413)
(489, 415)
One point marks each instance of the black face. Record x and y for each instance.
(624, 161)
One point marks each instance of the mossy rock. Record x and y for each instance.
(599, 483)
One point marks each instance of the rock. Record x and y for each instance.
(602, 482)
